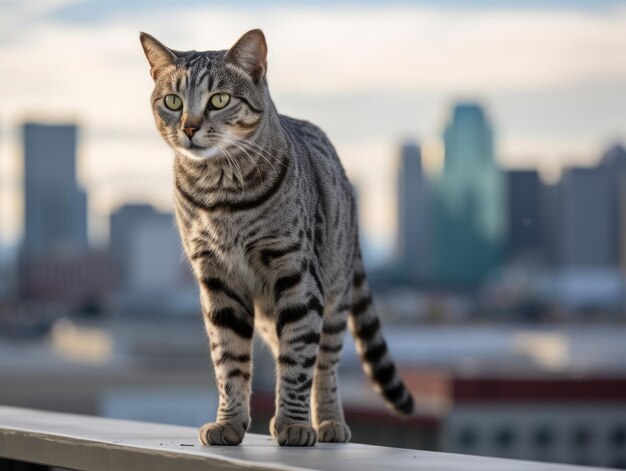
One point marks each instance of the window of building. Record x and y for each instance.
(543, 437)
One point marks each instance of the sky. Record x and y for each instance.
(551, 75)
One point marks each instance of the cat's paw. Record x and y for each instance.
(333, 431)
(299, 434)
(216, 433)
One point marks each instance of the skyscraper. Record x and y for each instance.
(55, 206)
(470, 205)
(586, 232)
(414, 216)
(524, 238)
(613, 163)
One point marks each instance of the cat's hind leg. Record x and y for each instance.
(328, 416)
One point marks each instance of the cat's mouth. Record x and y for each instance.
(197, 152)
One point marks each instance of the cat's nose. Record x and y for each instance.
(191, 124)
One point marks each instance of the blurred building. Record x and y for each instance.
(583, 216)
(613, 162)
(56, 264)
(551, 222)
(78, 279)
(156, 257)
(586, 238)
(579, 421)
(121, 225)
(583, 219)
(470, 201)
(55, 206)
(414, 216)
(153, 275)
(524, 235)
(146, 249)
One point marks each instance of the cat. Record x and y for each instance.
(268, 220)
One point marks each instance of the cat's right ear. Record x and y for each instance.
(159, 56)
(250, 54)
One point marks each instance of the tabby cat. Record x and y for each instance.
(268, 221)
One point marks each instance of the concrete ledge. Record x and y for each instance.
(98, 444)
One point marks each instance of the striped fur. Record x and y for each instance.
(268, 220)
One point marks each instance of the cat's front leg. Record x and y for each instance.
(299, 311)
(229, 322)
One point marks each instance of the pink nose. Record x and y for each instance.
(190, 131)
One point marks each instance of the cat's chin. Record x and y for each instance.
(199, 153)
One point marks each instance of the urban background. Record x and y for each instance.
(485, 143)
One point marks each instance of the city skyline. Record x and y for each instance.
(546, 72)
(429, 173)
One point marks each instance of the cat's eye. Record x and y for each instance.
(219, 100)
(173, 102)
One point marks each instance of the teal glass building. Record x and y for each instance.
(470, 207)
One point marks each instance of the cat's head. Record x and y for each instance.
(204, 101)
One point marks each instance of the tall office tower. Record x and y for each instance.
(613, 162)
(414, 216)
(586, 214)
(55, 206)
(524, 235)
(470, 207)
(551, 215)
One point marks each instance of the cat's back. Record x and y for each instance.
(312, 142)
(302, 129)
(332, 194)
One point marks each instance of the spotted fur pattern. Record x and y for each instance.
(268, 220)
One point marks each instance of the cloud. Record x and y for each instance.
(18, 16)
(357, 71)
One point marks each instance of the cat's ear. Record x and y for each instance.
(159, 56)
(250, 54)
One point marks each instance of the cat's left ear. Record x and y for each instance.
(250, 53)
(159, 56)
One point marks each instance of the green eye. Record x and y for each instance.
(220, 100)
(173, 102)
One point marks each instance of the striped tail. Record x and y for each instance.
(375, 357)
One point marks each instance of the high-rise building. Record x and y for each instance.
(524, 235)
(470, 201)
(55, 205)
(56, 264)
(551, 216)
(414, 216)
(613, 162)
(586, 231)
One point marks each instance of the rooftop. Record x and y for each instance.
(91, 443)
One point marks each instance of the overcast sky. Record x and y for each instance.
(551, 74)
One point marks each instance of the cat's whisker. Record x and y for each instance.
(240, 145)
(263, 151)
(252, 146)
(227, 159)
(237, 166)
(256, 152)
(251, 159)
